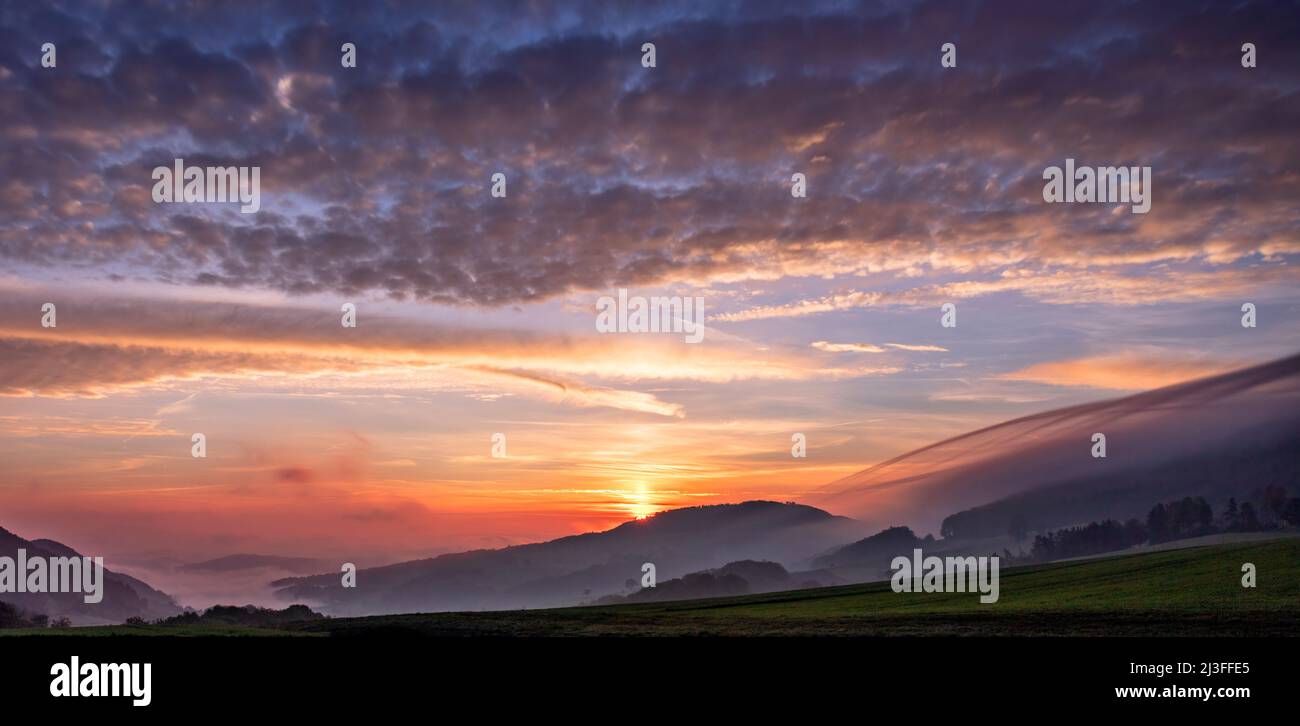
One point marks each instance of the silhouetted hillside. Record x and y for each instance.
(124, 596)
(733, 578)
(579, 568)
(232, 563)
(874, 551)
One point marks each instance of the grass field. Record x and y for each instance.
(1195, 591)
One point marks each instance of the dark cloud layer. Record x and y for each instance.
(375, 179)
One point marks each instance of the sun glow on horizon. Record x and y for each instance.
(640, 503)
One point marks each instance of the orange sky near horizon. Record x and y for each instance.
(375, 443)
(812, 172)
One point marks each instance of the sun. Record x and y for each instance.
(639, 500)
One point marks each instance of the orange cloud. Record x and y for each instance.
(1054, 287)
(106, 345)
(1125, 372)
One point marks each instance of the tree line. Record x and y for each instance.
(1165, 522)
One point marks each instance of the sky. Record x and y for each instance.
(476, 314)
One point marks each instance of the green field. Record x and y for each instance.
(1195, 591)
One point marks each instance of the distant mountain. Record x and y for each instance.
(235, 563)
(877, 550)
(1222, 436)
(580, 568)
(124, 596)
(734, 578)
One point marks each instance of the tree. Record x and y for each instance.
(12, 617)
(1158, 523)
(1291, 511)
(1135, 532)
(1274, 501)
(1188, 517)
(1248, 521)
(1202, 514)
(1230, 514)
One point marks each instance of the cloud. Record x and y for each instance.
(586, 396)
(185, 405)
(57, 368)
(295, 475)
(847, 347)
(917, 348)
(871, 348)
(1122, 371)
(375, 178)
(1053, 287)
(104, 345)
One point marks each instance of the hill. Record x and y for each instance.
(733, 578)
(124, 596)
(235, 563)
(875, 551)
(1193, 591)
(581, 568)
